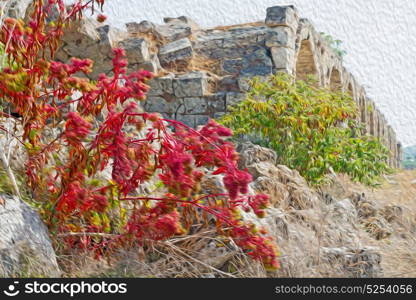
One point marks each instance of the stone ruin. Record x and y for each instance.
(202, 72)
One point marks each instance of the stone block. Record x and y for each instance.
(193, 84)
(192, 120)
(216, 102)
(179, 52)
(161, 105)
(232, 66)
(228, 84)
(161, 85)
(280, 37)
(152, 65)
(142, 27)
(282, 16)
(195, 105)
(137, 50)
(234, 98)
(257, 63)
(182, 21)
(283, 59)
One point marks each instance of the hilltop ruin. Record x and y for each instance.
(201, 72)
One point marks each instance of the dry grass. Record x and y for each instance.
(304, 236)
(397, 250)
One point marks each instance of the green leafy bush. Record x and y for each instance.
(312, 129)
(336, 45)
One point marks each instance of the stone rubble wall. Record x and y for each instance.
(202, 72)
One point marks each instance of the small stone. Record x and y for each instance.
(177, 53)
(137, 50)
(282, 16)
(193, 84)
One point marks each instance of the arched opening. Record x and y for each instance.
(363, 113)
(305, 63)
(371, 120)
(335, 81)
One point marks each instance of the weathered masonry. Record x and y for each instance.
(201, 72)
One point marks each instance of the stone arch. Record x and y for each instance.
(363, 111)
(305, 62)
(349, 89)
(371, 120)
(335, 81)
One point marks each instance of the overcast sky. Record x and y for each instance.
(379, 37)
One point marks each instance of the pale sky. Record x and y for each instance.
(379, 37)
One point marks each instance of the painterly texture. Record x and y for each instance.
(379, 37)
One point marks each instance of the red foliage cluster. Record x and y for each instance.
(65, 171)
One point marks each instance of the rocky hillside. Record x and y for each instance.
(341, 230)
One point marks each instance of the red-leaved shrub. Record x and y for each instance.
(64, 169)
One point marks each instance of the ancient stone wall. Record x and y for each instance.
(201, 72)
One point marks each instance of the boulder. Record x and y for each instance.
(25, 247)
(176, 54)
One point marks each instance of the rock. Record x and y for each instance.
(256, 63)
(216, 103)
(176, 54)
(24, 242)
(161, 85)
(282, 16)
(283, 59)
(161, 105)
(193, 84)
(232, 99)
(17, 8)
(152, 65)
(232, 66)
(361, 263)
(193, 120)
(182, 21)
(86, 39)
(252, 154)
(344, 211)
(137, 50)
(195, 105)
(142, 27)
(280, 37)
(175, 29)
(278, 193)
(228, 84)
